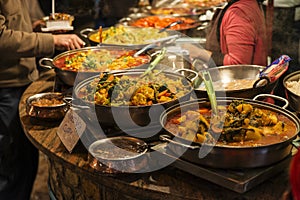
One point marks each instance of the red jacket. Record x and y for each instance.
(243, 34)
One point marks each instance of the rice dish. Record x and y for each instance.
(294, 86)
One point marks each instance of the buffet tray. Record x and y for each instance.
(239, 181)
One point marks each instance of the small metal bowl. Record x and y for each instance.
(47, 106)
(120, 154)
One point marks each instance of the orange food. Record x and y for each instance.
(161, 22)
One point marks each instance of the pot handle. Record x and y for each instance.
(203, 26)
(167, 138)
(42, 60)
(69, 102)
(189, 70)
(125, 20)
(84, 33)
(296, 144)
(273, 97)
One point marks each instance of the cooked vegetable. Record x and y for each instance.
(133, 90)
(100, 60)
(242, 124)
(122, 35)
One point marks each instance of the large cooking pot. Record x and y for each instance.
(179, 24)
(143, 36)
(68, 74)
(183, 8)
(130, 117)
(239, 76)
(228, 156)
(293, 96)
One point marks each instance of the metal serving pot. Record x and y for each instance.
(130, 116)
(89, 33)
(120, 154)
(293, 98)
(171, 24)
(69, 76)
(48, 106)
(226, 156)
(231, 73)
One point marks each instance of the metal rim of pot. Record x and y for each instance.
(129, 21)
(69, 76)
(248, 93)
(126, 162)
(232, 157)
(140, 113)
(88, 32)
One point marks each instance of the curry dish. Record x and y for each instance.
(123, 90)
(238, 124)
(161, 22)
(101, 60)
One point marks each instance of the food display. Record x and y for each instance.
(58, 22)
(123, 90)
(61, 16)
(100, 60)
(161, 22)
(121, 35)
(238, 124)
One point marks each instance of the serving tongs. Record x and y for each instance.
(205, 75)
(153, 64)
(156, 43)
(171, 25)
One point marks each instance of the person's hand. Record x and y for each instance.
(67, 42)
(37, 25)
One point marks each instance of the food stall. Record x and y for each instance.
(164, 168)
(71, 175)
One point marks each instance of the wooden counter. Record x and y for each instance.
(70, 176)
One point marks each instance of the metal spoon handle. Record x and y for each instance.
(170, 25)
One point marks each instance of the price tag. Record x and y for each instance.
(71, 129)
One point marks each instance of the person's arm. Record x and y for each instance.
(237, 38)
(14, 43)
(19, 44)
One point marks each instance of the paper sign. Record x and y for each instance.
(71, 129)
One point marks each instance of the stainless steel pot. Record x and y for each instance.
(293, 98)
(89, 33)
(186, 23)
(229, 157)
(48, 112)
(235, 72)
(70, 76)
(120, 154)
(131, 116)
